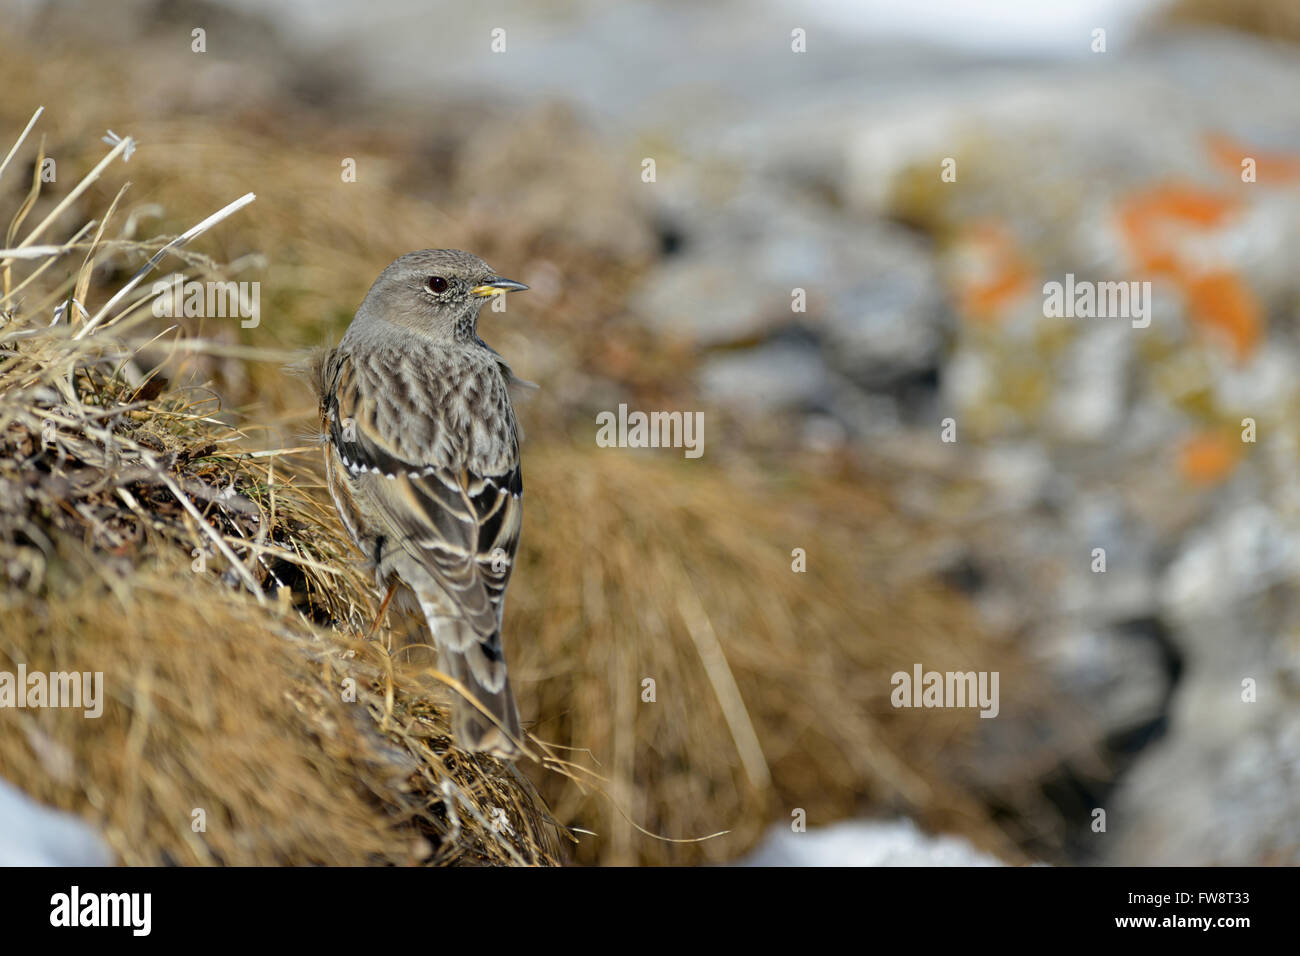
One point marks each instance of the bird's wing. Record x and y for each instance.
(459, 527)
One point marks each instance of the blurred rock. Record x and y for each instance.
(1221, 788)
(1120, 676)
(1243, 552)
(1015, 473)
(886, 316)
(707, 299)
(870, 291)
(1091, 396)
(779, 376)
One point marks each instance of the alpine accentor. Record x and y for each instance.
(422, 461)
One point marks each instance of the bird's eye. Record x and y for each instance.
(437, 284)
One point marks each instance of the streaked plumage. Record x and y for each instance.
(422, 461)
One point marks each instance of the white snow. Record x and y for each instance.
(865, 843)
(33, 835)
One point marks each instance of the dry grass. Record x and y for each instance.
(139, 541)
(1265, 17)
(771, 686)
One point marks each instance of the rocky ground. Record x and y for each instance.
(925, 302)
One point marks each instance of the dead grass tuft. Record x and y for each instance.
(139, 540)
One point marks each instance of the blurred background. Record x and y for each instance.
(1112, 157)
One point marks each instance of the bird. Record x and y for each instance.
(422, 462)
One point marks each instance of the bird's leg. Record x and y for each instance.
(383, 609)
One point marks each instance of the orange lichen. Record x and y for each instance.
(1224, 304)
(1218, 300)
(1207, 458)
(1004, 273)
(1150, 218)
(1228, 154)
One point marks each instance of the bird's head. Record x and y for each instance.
(435, 292)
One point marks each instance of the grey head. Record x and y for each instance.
(435, 293)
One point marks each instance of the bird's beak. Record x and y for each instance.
(498, 286)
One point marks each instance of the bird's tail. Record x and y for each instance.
(478, 663)
(473, 729)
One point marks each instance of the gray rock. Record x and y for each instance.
(1219, 790)
(779, 376)
(708, 299)
(870, 291)
(886, 318)
(1120, 681)
(1244, 552)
